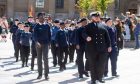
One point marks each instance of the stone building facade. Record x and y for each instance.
(59, 8)
(21, 8)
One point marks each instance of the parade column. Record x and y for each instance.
(71, 8)
(10, 8)
(52, 7)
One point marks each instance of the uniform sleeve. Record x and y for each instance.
(68, 36)
(21, 37)
(57, 37)
(77, 37)
(35, 34)
(49, 34)
(84, 32)
(107, 38)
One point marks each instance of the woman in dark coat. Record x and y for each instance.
(119, 28)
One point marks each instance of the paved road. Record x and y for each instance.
(12, 73)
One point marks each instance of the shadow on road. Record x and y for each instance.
(7, 58)
(32, 81)
(12, 69)
(73, 81)
(24, 73)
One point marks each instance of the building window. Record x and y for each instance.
(59, 3)
(40, 3)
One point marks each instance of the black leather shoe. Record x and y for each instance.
(27, 66)
(39, 77)
(54, 65)
(86, 74)
(32, 69)
(64, 67)
(22, 65)
(61, 69)
(93, 82)
(16, 60)
(105, 75)
(101, 81)
(80, 76)
(116, 75)
(46, 77)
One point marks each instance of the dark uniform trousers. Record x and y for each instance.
(113, 58)
(71, 52)
(17, 50)
(42, 52)
(97, 62)
(63, 55)
(25, 52)
(80, 61)
(34, 54)
(54, 51)
(14, 44)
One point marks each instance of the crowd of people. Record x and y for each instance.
(3, 28)
(96, 39)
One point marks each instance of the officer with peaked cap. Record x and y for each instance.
(98, 45)
(113, 55)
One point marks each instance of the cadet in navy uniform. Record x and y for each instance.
(42, 36)
(62, 44)
(114, 53)
(72, 41)
(17, 41)
(30, 22)
(98, 45)
(54, 49)
(25, 39)
(13, 30)
(80, 46)
(33, 48)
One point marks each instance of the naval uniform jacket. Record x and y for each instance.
(100, 38)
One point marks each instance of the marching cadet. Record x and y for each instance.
(78, 25)
(114, 53)
(80, 46)
(62, 44)
(17, 41)
(42, 37)
(25, 39)
(30, 22)
(72, 41)
(98, 45)
(13, 30)
(54, 49)
(33, 47)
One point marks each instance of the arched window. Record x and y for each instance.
(59, 3)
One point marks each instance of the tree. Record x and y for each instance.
(101, 5)
(84, 6)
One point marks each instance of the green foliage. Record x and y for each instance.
(84, 6)
(99, 5)
(102, 5)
